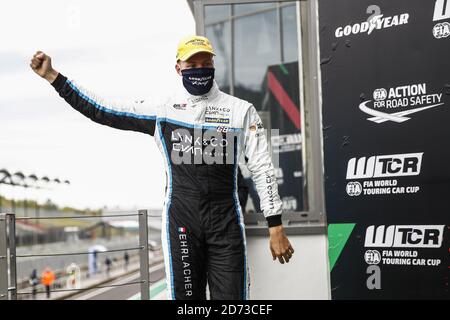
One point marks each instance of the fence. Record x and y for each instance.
(25, 266)
(8, 258)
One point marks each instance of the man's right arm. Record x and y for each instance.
(136, 116)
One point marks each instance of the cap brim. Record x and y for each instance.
(191, 53)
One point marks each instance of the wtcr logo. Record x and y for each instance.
(441, 10)
(427, 236)
(395, 165)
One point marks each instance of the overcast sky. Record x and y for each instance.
(118, 49)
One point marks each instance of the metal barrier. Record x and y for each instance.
(8, 257)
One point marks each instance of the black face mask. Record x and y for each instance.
(198, 81)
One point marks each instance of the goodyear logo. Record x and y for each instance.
(217, 120)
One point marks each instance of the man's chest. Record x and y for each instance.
(200, 132)
(202, 113)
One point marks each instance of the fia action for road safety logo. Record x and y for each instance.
(399, 104)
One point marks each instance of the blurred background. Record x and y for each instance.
(53, 161)
(120, 50)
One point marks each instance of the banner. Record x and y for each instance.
(386, 111)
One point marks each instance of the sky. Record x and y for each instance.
(123, 50)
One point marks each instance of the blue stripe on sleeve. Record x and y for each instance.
(104, 109)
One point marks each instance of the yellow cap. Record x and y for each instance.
(191, 45)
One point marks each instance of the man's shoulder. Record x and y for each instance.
(234, 101)
(237, 106)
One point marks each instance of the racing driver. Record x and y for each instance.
(202, 133)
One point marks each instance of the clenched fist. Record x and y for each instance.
(42, 65)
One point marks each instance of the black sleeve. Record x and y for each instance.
(136, 116)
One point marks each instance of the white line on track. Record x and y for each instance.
(157, 283)
(99, 291)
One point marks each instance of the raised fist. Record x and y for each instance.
(42, 65)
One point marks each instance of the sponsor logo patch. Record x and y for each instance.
(180, 106)
(255, 126)
(217, 120)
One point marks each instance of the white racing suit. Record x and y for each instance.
(201, 138)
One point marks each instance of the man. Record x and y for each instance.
(126, 259)
(202, 132)
(34, 281)
(47, 279)
(108, 264)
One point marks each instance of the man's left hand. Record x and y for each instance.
(279, 244)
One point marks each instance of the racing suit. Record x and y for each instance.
(203, 235)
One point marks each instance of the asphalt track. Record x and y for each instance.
(123, 292)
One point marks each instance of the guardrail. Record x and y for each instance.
(8, 257)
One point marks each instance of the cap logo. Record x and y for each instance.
(196, 42)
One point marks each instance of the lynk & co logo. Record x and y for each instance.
(441, 12)
(210, 147)
(397, 103)
(216, 146)
(215, 114)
